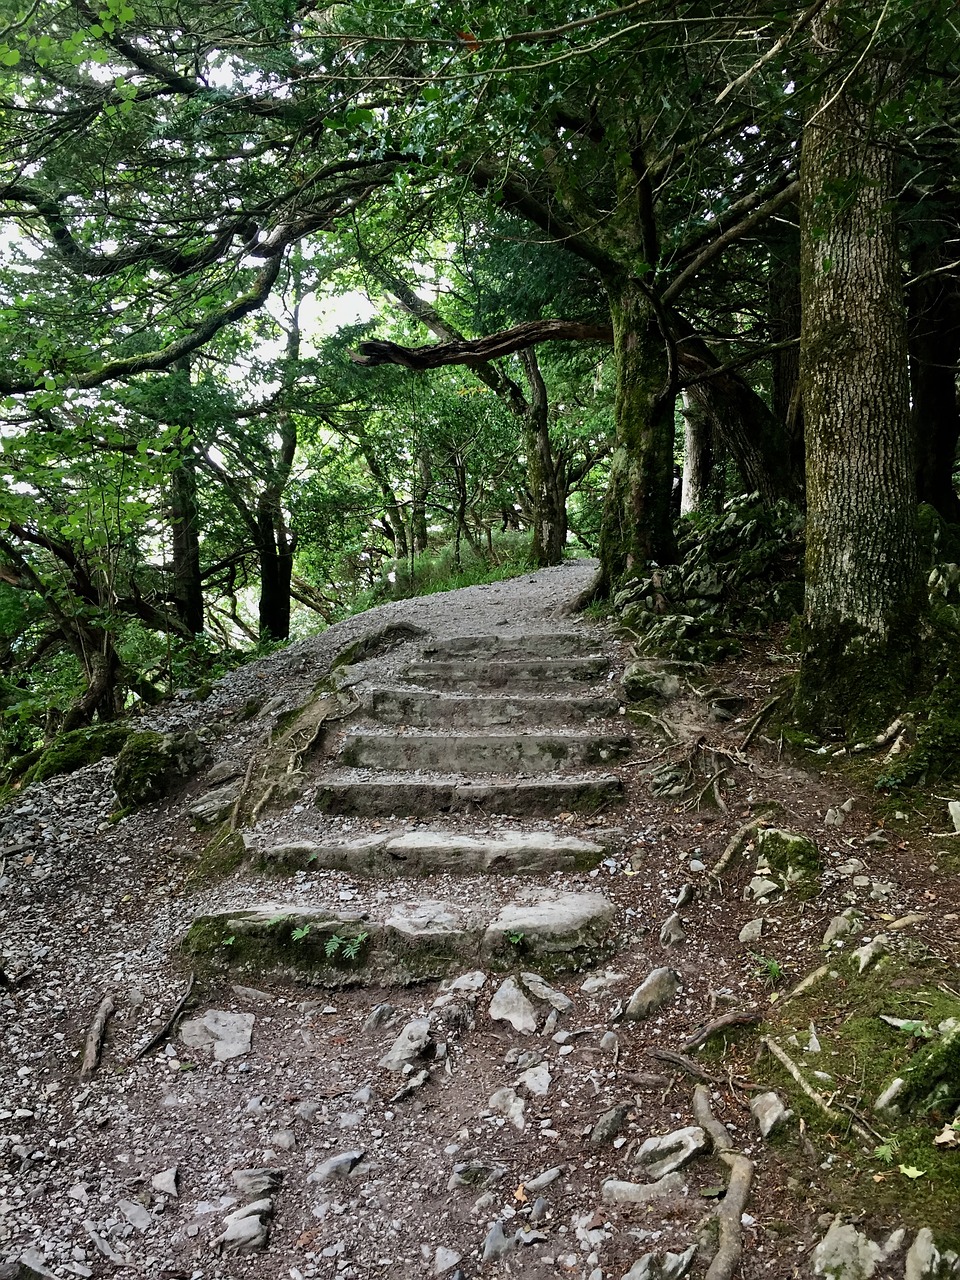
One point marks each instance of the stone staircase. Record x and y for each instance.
(463, 734)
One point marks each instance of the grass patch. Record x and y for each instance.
(438, 570)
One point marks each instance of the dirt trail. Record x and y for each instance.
(367, 1080)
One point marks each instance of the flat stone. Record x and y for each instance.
(215, 805)
(763, 887)
(601, 981)
(841, 926)
(256, 1183)
(136, 1214)
(543, 1180)
(166, 1181)
(229, 1034)
(428, 921)
(536, 1081)
(769, 1111)
(404, 795)
(475, 1174)
(658, 988)
(252, 994)
(409, 1045)
(338, 1166)
(541, 990)
(420, 707)
(751, 931)
(845, 1253)
(509, 1004)
(662, 1266)
(482, 753)
(561, 925)
(615, 1192)
(664, 1155)
(445, 1260)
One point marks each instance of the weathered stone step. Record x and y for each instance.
(405, 796)
(420, 707)
(556, 644)
(481, 753)
(413, 942)
(424, 853)
(501, 672)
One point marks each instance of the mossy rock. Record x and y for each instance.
(641, 682)
(80, 747)
(794, 859)
(153, 764)
(933, 1078)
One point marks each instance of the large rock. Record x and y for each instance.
(567, 929)
(509, 1004)
(150, 765)
(925, 1261)
(666, 1154)
(228, 1034)
(845, 1253)
(793, 860)
(658, 988)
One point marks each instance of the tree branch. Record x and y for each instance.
(473, 351)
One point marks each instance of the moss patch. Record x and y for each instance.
(151, 764)
(71, 751)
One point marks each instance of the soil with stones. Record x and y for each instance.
(448, 1011)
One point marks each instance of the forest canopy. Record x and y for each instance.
(300, 307)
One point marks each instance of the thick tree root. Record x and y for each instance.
(94, 1041)
(816, 1097)
(167, 1027)
(731, 1209)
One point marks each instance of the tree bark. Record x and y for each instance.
(701, 487)
(783, 314)
(184, 524)
(862, 605)
(549, 502)
(637, 526)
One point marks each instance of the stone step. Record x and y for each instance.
(481, 753)
(555, 644)
(402, 796)
(506, 673)
(416, 941)
(418, 707)
(424, 853)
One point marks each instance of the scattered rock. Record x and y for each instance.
(845, 1253)
(509, 1004)
(409, 1045)
(610, 1124)
(770, 1112)
(614, 1192)
(166, 1182)
(445, 1260)
(537, 1081)
(657, 989)
(925, 1261)
(673, 931)
(664, 1155)
(497, 1244)
(505, 1102)
(228, 1033)
(543, 991)
(870, 952)
(751, 932)
(341, 1165)
(136, 1214)
(246, 1229)
(662, 1266)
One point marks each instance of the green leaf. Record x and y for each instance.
(10, 57)
(432, 94)
(911, 1171)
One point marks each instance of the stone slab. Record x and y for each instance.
(499, 673)
(482, 753)
(425, 707)
(430, 796)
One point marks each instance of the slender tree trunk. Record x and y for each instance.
(700, 490)
(422, 482)
(637, 525)
(863, 600)
(549, 506)
(934, 354)
(185, 526)
(784, 312)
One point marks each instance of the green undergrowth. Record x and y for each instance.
(440, 569)
(902, 1176)
(69, 752)
(738, 573)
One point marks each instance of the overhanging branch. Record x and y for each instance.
(474, 351)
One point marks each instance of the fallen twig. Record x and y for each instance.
(164, 1031)
(731, 1209)
(693, 1069)
(736, 845)
(745, 1018)
(94, 1041)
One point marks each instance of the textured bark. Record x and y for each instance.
(863, 600)
(934, 354)
(185, 531)
(637, 526)
(422, 482)
(700, 490)
(549, 500)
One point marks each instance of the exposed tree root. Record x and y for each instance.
(744, 1018)
(817, 1098)
(731, 1208)
(167, 1027)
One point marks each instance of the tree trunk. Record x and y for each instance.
(637, 525)
(422, 482)
(783, 313)
(863, 600)
(702, 484)
(184, 523)
(549, 506)
(934, 353)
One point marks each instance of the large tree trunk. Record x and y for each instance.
(934, 353)
(549, 503)
(863, 600)
(637, 525)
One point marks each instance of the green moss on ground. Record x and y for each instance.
(863, 1054)
(151, 764)
(71, 751)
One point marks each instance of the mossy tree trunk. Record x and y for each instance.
(637, 525)
(702, 484)
(863, 599)
(548, 498)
